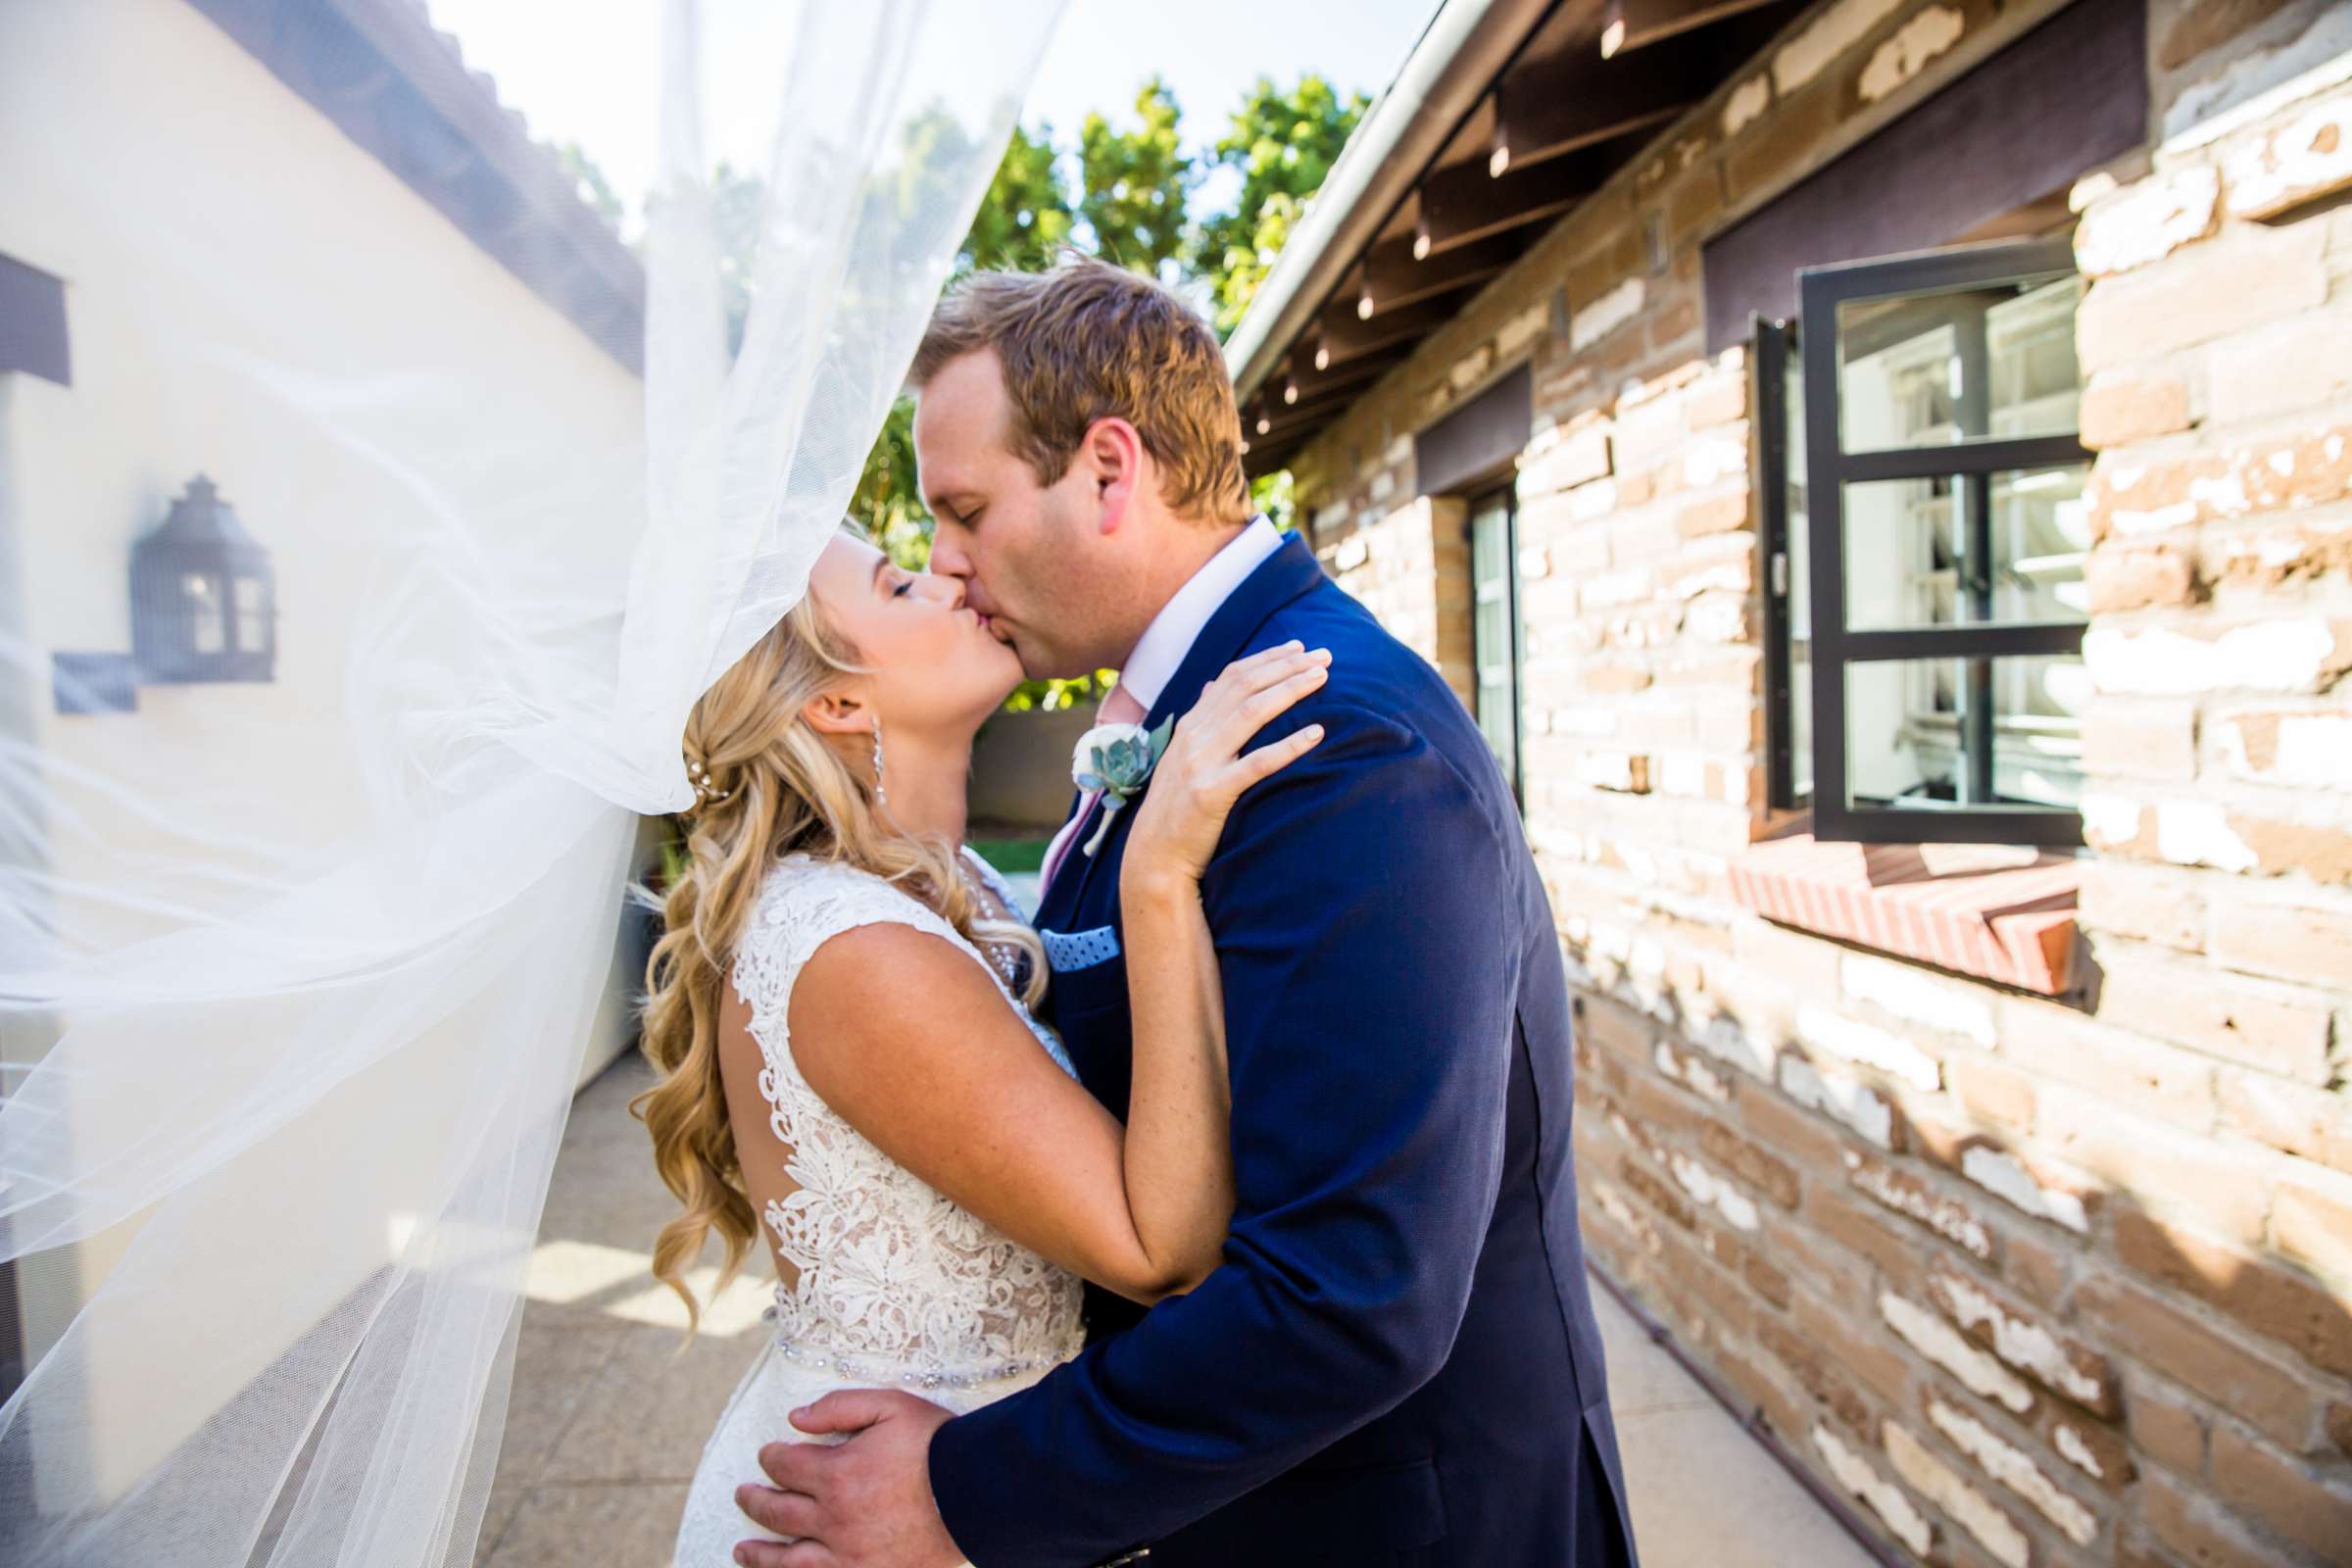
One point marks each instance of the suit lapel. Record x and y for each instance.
(1280, 577)
(1052, 900)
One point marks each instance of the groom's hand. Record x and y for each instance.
(864, 1502)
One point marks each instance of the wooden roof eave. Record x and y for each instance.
(1555, 123)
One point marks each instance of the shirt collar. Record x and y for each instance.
(1172, 632)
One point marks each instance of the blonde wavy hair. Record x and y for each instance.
(786, 790)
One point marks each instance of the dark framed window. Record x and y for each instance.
(1788, 623)
(1924, 532)
(1495, 641)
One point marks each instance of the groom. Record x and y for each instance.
(1398, 1361)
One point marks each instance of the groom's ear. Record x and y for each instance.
(1113, 452)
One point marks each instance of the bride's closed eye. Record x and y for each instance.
(902, 588)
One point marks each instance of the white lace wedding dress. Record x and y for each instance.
(898, 1287)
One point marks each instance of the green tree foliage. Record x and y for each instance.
(1131, 203)
(735, 201)
(1024, 221)
(1124, 192)
(886, 500)
(1270, 493)
(594, 188)
(1283, 142)
(1026, 218)
(1132, 185)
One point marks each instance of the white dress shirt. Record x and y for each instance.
(1161, 652)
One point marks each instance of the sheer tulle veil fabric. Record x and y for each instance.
(296, 974)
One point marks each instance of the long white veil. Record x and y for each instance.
(360, 558)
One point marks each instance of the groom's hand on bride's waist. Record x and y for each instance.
(864, 1502)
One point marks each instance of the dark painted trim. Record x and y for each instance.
(33, 338)
(1477, 439)
(2066, 97)
(403, 92)
(1970, 640)
(1770, 451)
(1829, 469)
(1979, 456)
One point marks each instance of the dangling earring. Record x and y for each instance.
(881, 794)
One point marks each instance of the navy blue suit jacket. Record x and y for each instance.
(1396, 1362)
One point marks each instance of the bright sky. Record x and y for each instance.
(584, 69)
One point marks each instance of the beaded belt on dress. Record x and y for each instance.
(891, 1372)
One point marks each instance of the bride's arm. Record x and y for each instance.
(1179, 1149)
(1178, 1156)
(910, 1041)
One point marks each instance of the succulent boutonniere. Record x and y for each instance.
(1116, 761)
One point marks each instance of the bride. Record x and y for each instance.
(842, 1008)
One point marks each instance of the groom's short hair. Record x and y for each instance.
(1086, 341)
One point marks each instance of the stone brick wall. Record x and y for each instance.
(2032, 1281)
(1410, 565)
(2217, 337)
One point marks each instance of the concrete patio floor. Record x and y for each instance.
(611, 1404)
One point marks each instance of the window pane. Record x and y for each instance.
(208, 622)
(1932, 369)
(1909, 560)
(1916, 736)
(1799, 548)
(1489, 549)
(1493, 649)
(250, 630)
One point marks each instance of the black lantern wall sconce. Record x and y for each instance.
(203, 608)
(203, 595)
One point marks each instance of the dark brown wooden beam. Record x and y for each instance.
(1343, 335)
(1266, 455)
(1466, 204)
(1269, 410)
(1546, 137)
(1628, 24)
(1392, 277)
(1271, 420)
(1301, 382)
(1549, 109)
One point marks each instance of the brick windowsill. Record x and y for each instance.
(2000, 913)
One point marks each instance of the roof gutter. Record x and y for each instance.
(1464, 48)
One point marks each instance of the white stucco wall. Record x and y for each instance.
(252, 296)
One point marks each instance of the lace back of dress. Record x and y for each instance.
(890, 1280)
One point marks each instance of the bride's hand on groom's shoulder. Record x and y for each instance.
(1203, 771)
